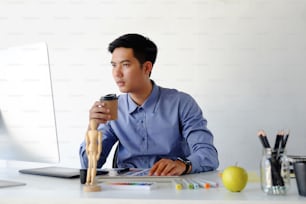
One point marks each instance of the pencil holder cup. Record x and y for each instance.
(274, 172)
(300, 176)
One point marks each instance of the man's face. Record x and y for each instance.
(127, 71)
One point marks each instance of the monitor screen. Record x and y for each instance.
(27, 118)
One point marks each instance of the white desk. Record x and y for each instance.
(39, 189)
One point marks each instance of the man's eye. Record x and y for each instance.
(126, 65)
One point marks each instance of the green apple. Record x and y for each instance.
(234, 178)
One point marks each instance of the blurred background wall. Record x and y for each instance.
(242, 60)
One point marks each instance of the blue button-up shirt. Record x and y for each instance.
(169, 124)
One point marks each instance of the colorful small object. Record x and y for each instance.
(129, 185)
(206, 185)
(178, 186)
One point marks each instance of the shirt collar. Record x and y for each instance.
(149, 104)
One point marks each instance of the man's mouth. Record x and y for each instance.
(120, 83)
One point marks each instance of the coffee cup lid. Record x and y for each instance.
(108, 97)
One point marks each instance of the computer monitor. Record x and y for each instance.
(27, 118)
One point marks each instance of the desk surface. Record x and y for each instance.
(40, 189)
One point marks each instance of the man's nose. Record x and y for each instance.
(117, 71)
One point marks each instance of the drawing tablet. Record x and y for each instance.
(133, 174)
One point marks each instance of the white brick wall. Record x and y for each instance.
(243, 61)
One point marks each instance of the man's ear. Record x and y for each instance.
(147, 67)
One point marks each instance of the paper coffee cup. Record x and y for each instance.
(111, 102)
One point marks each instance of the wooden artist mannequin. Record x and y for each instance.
(93, 151)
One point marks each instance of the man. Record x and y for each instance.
(157, 128)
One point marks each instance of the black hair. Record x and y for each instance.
(144, 49)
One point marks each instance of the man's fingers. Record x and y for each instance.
(164, 167)
(99, 113)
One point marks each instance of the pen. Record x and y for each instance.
(188, 185)
(278, 140)
(278, 144)
(194, 185)
(203, 185)
(121, 171)
(284, 142)
(263, 138)
(178, 184)
(211, 183)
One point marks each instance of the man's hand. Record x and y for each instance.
(99, 113)
(167, 167)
